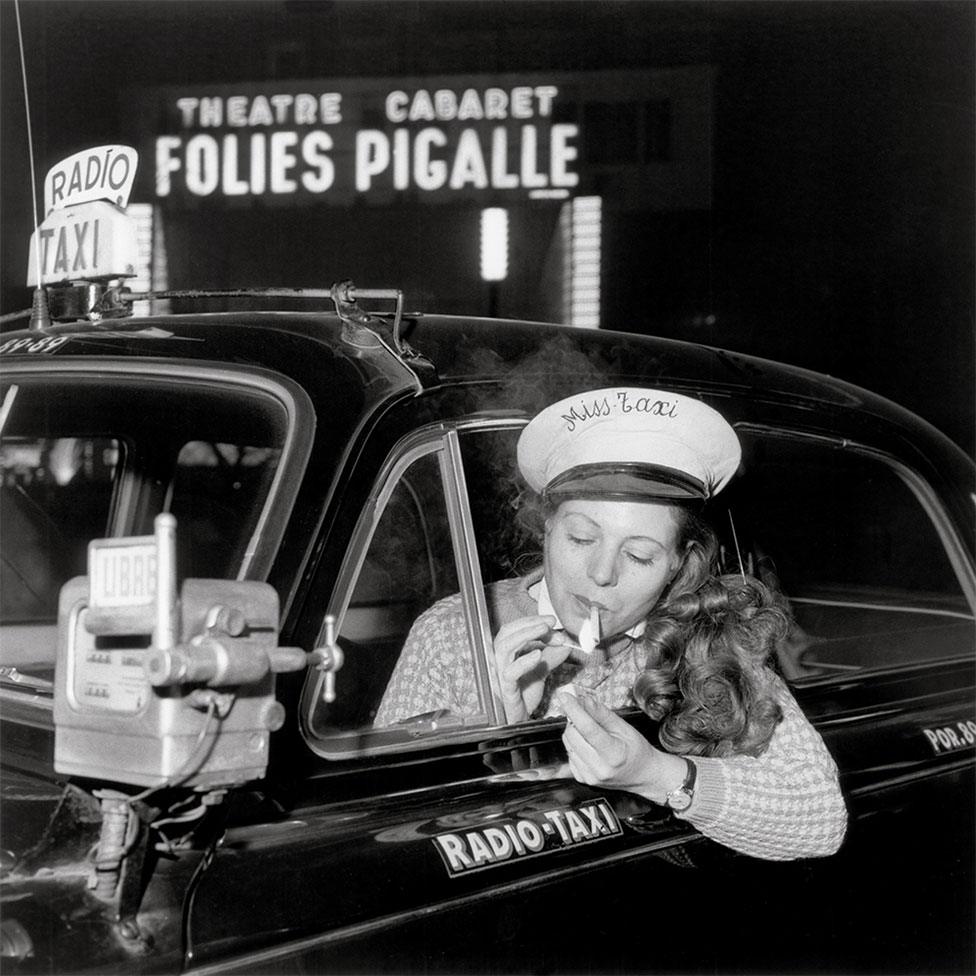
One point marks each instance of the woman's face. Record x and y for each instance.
(616, 555)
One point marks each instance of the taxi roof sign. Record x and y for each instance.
(89, 242)
(100, 173)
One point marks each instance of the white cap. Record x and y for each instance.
(629, 442)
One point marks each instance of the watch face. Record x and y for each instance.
(679, 800)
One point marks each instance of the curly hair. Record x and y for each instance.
(708, 642)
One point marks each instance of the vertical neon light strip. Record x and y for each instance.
(494, 244)
(142, 214)
(150, 258)
(584, 250)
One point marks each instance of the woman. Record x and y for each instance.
(627, 608)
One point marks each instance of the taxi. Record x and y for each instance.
(219, 522)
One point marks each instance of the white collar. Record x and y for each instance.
(540, 593)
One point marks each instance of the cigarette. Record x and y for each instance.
(589, 635)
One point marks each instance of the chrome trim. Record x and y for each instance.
(872, 674)
(926, 773)
(26, 708)
(887, 608)
(472, 586)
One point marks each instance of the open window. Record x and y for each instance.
(412, 620)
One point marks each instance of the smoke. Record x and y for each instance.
(557, 368)
(508, 516)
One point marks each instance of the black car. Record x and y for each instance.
(171, 805)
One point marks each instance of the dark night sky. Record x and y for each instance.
(841, 235)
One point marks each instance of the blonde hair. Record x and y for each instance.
(708, 645)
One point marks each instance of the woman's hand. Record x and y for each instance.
(604, 750)
(526, 651)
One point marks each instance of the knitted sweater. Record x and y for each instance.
(781, 805)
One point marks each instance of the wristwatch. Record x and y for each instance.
(681, 796)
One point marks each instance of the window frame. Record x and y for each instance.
(443, 439)
(127, 494)
(929, 503)
(295, 449)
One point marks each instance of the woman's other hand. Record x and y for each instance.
(526, 651)
(604, 750)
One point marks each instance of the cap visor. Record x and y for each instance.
(633, 481)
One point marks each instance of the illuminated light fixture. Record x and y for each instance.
(494, 244)
(142, 215)
(556, 194)
(581, 226)
(150, 257)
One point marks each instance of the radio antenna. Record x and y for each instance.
(40, 316)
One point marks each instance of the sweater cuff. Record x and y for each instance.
(712, 788)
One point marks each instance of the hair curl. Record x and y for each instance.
(708, 641)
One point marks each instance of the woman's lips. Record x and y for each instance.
(589, 635)
(584, 605)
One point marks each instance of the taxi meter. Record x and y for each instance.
(159, 688)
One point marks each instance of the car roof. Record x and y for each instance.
(450, 350)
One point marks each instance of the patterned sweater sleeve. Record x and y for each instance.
(430, 673)
(782, 805)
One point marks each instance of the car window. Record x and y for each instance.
(859, 546)
(408, 664)
(407, 568)
(406, 633)
(56, 495)
(83, 459)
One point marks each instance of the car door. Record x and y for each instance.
(439, 842)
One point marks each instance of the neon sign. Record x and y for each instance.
(375, 140)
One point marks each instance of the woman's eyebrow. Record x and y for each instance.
(579, 515)
(646, 538)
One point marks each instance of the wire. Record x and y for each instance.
(192, 762)
(30, 135)
(195, 814)
(168, 845)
